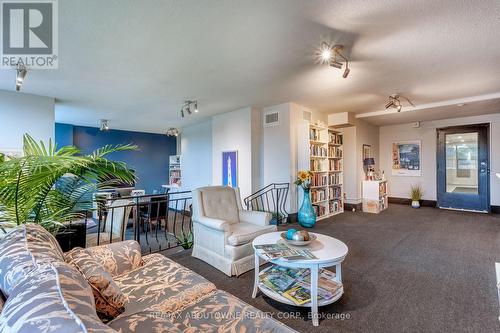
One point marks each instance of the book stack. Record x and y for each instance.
(295, 284)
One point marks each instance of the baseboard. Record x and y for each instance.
(350, 206)
(406, 201)
(495, 209)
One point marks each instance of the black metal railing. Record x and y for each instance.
(158, 222)
(272, 199)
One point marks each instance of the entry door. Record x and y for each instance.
(463, 169)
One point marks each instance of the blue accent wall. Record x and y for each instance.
(150, 162)
(64, 135)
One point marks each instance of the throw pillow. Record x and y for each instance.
(109, 299)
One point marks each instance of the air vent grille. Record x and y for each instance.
(307, 115)
(271, 119)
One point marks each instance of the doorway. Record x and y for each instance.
(463, 168)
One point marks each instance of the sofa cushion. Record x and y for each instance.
(24, 249)
(223, 312)
(219, 202)
(161, 285)
(243, 233)
(109, 299)
(118, 258)
(53, 298)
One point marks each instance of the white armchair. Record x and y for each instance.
(223, 231)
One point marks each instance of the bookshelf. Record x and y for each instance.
(174, 171)
(375, 196)
(325, 161)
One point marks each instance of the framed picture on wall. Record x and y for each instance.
(230, 168)
(406, 158)
(367, 151)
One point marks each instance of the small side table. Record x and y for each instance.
(328, 251)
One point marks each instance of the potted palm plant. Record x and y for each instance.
(416, 194)
(50, 186)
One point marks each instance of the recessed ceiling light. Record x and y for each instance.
(462, 140)
(459, 137)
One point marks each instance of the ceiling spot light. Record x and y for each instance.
(394, 101)
(104, 125)
(332, 55)
(21, 72)
(186, 107)
(172, 131)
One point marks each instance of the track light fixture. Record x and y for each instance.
(332, 55)
(172, 131)
(394, 101)
(189, 106)
(104, 125)
(21, 72)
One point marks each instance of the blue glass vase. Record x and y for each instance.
(306, 214)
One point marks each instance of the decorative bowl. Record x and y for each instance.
(312, 237)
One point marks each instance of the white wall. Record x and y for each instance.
(23, 113)
(233, 131)
(400, 186)
(196, 151)
(354, 139)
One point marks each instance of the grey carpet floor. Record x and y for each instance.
(425, 270)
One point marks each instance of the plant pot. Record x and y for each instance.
(306, 213)
(415, 204)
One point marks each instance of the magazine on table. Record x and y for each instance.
(295, 285)
(281, 250)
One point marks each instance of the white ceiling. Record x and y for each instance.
(134, 62)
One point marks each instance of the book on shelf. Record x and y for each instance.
(282, 251)
(315, 165)
(318, 194)
(295, 283)
(334, 179)
(319, 210)
(315, 150)
(335, 138)
(335, 152)
(335, 205)
(335, 165)
(314, 134)
(334, 193)
(319, 179)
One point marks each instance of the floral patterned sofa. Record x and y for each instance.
(43, 293)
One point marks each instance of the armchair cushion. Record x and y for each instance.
(255, 217)
(117, 258)
(212, 223)
(24, 249)
(243, 233)
(109, 299)
(219, 202)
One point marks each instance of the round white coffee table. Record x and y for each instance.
(328, 251)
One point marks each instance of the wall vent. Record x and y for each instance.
(271, 118)
(307, 115)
